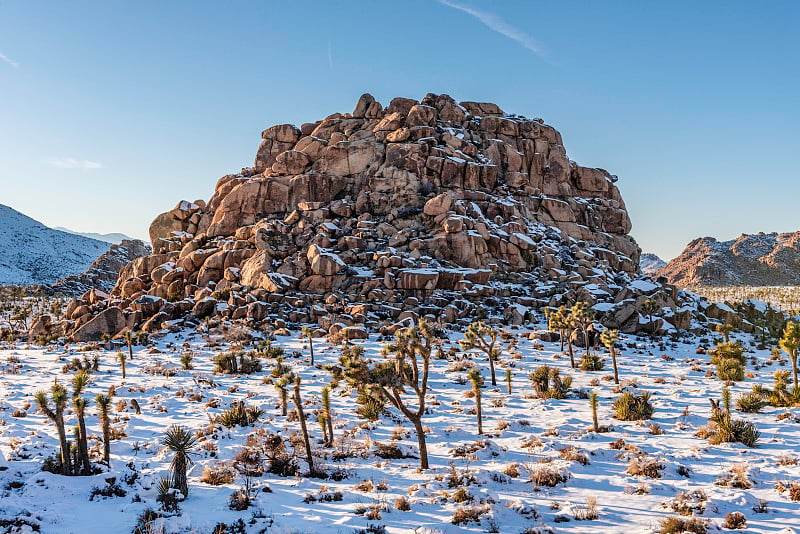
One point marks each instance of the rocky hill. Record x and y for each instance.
(360, 220)
(751, 259)
(103, 272)
(650, 263)
(32, 253)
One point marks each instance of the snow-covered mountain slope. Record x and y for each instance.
(115, 237)
(32, 253)
(650, 263)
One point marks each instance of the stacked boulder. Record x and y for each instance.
(422, 208)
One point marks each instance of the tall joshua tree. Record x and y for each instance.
(789, 342)
(402, 377)
(103, 403)
(609, 339)
(181, 442)
(308, 333)
(281, 385)
(56, 415)
(129, 342)
(79, 382)
(582, 318)
(327, 414)
(557, 321)
(122, 358)
(593, 403)
(650, 307)
(482, 337)
(298, 404)
(474, 376)
(725, 330)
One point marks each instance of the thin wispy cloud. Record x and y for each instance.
(496, 24)
(71, 163)
(9, 60)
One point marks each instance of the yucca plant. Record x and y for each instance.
(122, 359)
(281, 386)
(593, 402)
(56, 415)
(631, 407)
(186, 360)
(474, 377)
(103, 403)
(129, 342)
(548, 383)
(239, 414)
(327, 414)
(789, 343)
(182, 443)
(609, 339)
(308, 333)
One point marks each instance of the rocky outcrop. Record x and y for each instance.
(103, 273)
(751, 260)
(422, 208)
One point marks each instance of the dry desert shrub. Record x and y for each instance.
(218, 474)
(644, 466)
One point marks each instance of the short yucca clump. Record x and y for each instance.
(752, 402)
(239, 415)
(631, 407)
(724, 429)
(592, 362)
(548, 383)
(236, 362)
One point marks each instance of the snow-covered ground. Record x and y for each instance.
(522, 431)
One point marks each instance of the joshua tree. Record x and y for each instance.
(79, 382)
(593, 403)
(789, 342)
(509, 376)
(327, 414)
(182, 442)
(298, 404)
(59, 393)
(582, 317)
(122, 358)
(482, 337)
(308, 332)
(476, 380)
(557, 321)
(650, 307)
(609, 339)
(103, 403)
(129, 342)
(280, 385)
(725, 330)
(405, 367)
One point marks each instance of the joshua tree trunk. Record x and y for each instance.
(593, 403)
(103, 402)
(326, 410)
(66, 460)
(83, 448)
(571, 353)
(586, 342)
(478, 409)
(614, 363)
(423, 446)
(298, 402)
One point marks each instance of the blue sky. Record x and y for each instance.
(112, 111)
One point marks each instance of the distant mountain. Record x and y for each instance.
(650, 263)
(32, 253)
(114, 238)
(750, 260)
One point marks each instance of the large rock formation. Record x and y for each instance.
(428, 207)
(103, 272)
(751, 260)
(650, 264)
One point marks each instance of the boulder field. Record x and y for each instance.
(363, 220)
